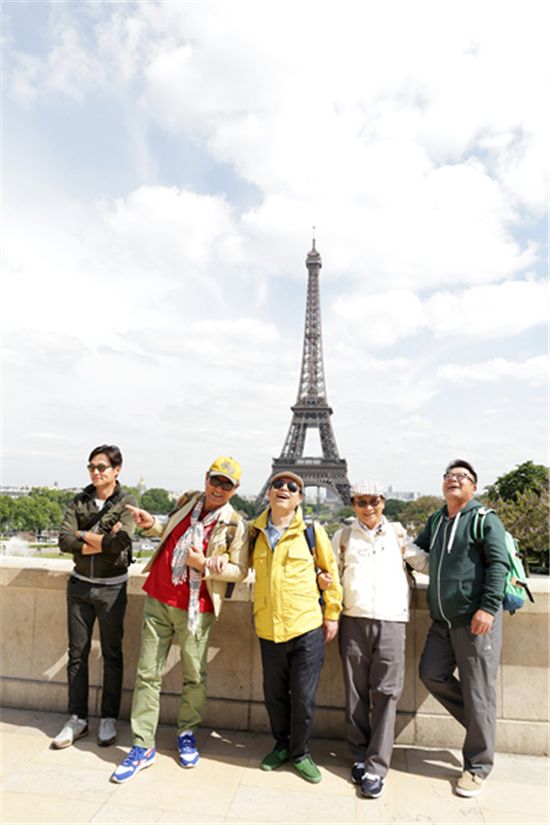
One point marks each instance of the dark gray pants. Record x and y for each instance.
(471, 698)
(373, 661)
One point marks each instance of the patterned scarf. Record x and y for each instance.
(193, 537)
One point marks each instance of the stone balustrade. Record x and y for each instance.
(34, 658)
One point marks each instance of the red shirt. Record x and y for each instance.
(159, 584)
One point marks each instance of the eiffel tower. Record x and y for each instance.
(311, 409)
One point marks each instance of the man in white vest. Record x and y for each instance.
(372, 554)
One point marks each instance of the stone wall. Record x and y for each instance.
(33, 667)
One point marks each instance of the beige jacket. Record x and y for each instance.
(229, 537)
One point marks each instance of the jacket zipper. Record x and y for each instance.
(443, 543)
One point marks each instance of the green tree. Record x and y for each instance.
(243, 506)
(345, 512)
(526, 476)
(6, 508)
(393, 508)
(415, 513)
(134, 491)
(157, 501)
(526, 518)
(35, 512)
(61, 497)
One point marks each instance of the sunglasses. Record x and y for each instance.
(368, 502)
(220, 481)
(99, 467)
(291, 486)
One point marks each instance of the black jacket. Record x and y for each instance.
(116, 548)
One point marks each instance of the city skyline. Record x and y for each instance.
(163, 164)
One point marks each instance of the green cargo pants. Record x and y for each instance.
(160, 623)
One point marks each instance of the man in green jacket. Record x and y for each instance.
(465, 592)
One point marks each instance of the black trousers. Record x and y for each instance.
(291, 672)
(85, 603)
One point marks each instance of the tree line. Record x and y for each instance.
(520, 497)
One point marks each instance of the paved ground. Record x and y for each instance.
(43, 785)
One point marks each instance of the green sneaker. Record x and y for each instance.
(307, 769)
(275, 759)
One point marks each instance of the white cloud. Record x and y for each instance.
(417, 150)
(533, 371)
(481, 312)
(497, 310)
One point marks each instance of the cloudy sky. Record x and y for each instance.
(163, 164)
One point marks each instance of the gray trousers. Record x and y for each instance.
(471, 698)
(373, 661)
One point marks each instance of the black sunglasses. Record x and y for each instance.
(279, 483)
(368, 502)
(99, 467)
(220, 481)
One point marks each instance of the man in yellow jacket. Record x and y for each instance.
(289, 620)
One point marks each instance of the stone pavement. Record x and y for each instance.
(43, 785)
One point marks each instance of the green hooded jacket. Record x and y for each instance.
(465, 575)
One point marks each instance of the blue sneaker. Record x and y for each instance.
(372, 786)
(187, 748)
(137, 760)
(357, 772)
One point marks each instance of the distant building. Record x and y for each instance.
(402, 496)
(14, 492)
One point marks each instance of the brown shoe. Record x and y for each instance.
(469, 784)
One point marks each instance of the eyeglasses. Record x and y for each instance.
(291, 486)
(457, 477)
(220, 481)
(367, 502)
(100, 468)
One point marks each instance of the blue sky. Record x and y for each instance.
(163, 164)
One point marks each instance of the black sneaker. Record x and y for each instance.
(357, 772)
(372, 786)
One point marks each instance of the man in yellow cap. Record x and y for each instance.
(204, 547)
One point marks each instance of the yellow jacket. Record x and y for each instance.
(286, 597)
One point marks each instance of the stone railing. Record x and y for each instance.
(34, 658)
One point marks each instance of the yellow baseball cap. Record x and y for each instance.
(227, 467)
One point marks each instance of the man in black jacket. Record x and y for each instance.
(465, 592)
(97, 529)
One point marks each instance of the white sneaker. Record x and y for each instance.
(106, 734)
(73, 729)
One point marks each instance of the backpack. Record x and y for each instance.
(516, 587)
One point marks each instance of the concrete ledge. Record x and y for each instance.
(34, 658)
